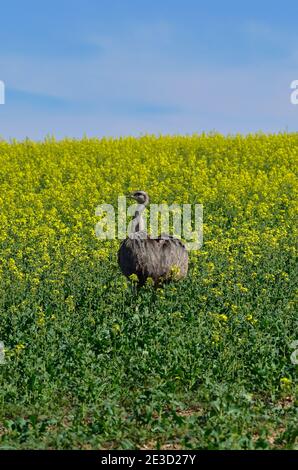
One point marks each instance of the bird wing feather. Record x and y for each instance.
(153, 257)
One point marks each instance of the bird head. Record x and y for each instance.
(140, 196)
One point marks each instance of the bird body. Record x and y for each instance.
(160, 259)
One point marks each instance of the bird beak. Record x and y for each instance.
(130, 195)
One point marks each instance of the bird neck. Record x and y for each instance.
(138, 223)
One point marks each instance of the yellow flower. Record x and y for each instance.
(222, 317)
(215, 338)
(217, 292)
(134, 278)
(177, 315)
(160, 292)
(41, 320)
(116, 329)
(285, 382)
(70, 302)
(241, 287)
(251, 319)
(174, 272)
(19, 347)
(149, 282)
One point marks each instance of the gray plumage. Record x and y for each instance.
(161, 258)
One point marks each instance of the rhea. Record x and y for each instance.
(161, 259)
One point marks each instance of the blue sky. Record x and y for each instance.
(132, 67)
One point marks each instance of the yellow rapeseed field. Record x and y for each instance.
(121, 365)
